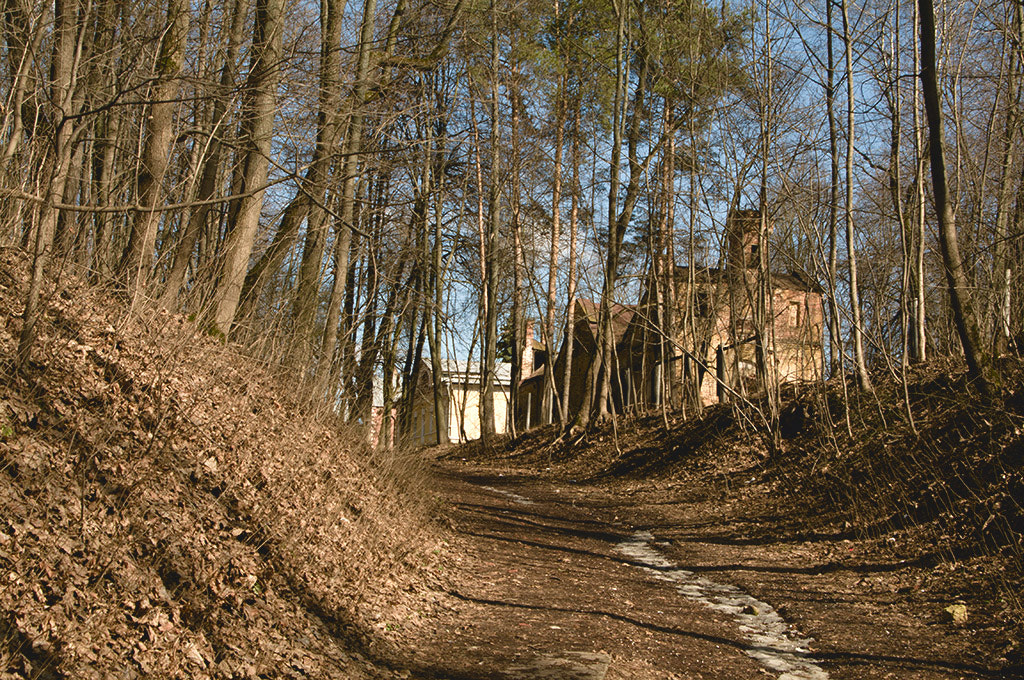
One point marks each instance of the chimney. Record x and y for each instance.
(743, 235)
(528, 349)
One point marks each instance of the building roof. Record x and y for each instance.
(537, 374)
(589, 311)
(456, 371)
(780, 280)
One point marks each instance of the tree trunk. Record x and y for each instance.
(860, 359)
(549, 397)
(349, 175)
(1002, 269)
(487, 371)
(22, 45)
(137, 260)
(312, 193)
(62, 88)
(570, 306)
(209, 179)
(257, 126)
(918, 348)
(518, 322)
(834, 329)
(979, 364)
(601, 366)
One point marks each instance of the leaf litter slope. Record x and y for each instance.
(166, 513)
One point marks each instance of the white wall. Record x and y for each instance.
(465, 406)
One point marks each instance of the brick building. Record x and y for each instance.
(728, 325)
(729, 331)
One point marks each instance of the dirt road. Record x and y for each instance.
(568, 582)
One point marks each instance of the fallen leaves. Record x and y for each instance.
(164, 513)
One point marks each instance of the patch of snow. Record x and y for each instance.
(516, 498)
(770, 640)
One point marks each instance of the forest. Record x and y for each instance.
(354, 191)
(242, 241)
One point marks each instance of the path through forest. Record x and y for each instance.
(570, 582)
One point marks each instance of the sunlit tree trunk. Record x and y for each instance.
(518, 322)
(137, 260)
(834, 327)
(61, 97)
(859, 356)
(549, 398)
(764, 324)
(209, 180)
(599, 378)
(919, 344)
(1002, 268)
(349, 175)
(487, 424)
(312, 191)
(574, 214)
(257, 127)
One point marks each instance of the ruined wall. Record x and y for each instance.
(798, 335)
(722, 332)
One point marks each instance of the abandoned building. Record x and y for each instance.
(727, 325)
(729, 331)
(585, 315)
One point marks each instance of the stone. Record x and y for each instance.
(955, 613)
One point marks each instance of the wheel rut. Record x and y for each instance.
(550, 593)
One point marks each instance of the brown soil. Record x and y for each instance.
(539, 577)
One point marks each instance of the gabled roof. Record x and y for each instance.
(780, 280)
(589, 312)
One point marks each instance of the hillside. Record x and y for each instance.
(168, 509)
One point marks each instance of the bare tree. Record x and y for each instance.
(490, 314)
(212, 159)
(250, 182)
(856, 318)
(137, 260)
(61, 86)
(979, 364)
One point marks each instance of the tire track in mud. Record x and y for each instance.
(553, 581)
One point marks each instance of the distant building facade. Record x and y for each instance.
(725, 332)
(584, 348)
(460, 382)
